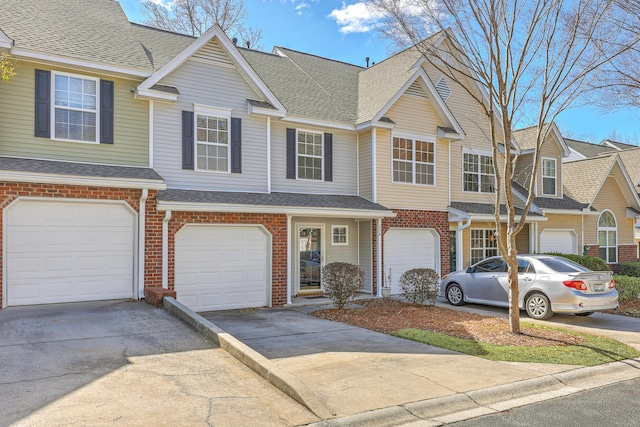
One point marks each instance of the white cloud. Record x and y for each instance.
(355, 18)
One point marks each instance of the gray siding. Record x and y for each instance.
(365, 165)
(217, 86)
(344, 162)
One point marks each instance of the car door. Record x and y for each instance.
(526, 277)
(482, 280)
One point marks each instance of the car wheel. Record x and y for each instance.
(585, 314)
(538, 306)
(455, 295)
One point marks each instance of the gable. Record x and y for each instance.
(414, 114)
(212, 53)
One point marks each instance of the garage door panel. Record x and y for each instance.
(405, 249)
(563, 241)
(60, 251)
(221, 267)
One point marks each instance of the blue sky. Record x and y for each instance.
(341, 30)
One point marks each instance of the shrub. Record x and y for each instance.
(629, 269)
(592, 263)
(420, 285)
(342, 282)
(627, 287)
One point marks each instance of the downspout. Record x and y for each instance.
(165, 250)
(269, 155)
(141, 241)
(379, 257)
(289, 283)
(358, 164)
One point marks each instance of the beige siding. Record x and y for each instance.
(415, 118)
(522, 241)
(563, 222)
(131, 129)
(205, 83)
(344, 162)
(611, 198)
(365, 161)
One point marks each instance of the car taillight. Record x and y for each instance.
(576, 284)
(612, 284)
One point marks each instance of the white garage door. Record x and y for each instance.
(564, 241)
(60, 251)
(222, 267)
(407, 248)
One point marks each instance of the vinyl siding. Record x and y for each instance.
(522, 240)
(344, 162)
(212, 85)
(131, 124)
(611, 198)
(414, 117)
(365, 165)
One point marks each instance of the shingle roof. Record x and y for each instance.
(582, 178)
(587, 149)
(160, 46)
(631, 161)
(618, 145)
(484, 208)
(92, 30)
(565, 202)
(526, 138)
(76, 169)
(272, 199)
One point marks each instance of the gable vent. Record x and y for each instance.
(416, 90)
(443, 88)
(212, 53)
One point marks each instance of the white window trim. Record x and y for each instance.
(484, 246)
(555, 177)
(210, 111)
(414, 138)
(321, 160)
(607, 229)
(478, 153)
(346, 231)
(52, 118)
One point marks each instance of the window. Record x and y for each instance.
(478, 173)
(340, 235)
(74, 112)
(495, 265)
(607, 237)
(483, 245)
(413, 161)
(309, 155)
(212, 139)
(549, 177)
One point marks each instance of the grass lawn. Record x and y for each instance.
(594, 350)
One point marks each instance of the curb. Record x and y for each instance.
(287, 383)
(463, 406)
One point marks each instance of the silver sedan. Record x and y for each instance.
(547, 284)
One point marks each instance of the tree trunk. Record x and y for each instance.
(512, 280)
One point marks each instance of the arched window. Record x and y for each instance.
(608, 237)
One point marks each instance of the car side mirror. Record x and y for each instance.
(468, 269)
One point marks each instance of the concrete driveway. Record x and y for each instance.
(126, 363)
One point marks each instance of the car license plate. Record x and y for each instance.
(598, 288)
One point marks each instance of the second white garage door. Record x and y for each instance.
(221, 267)
(563, 241)
(68, 251)
(407, 248)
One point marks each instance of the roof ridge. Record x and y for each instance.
(320, 57)
(150, 27)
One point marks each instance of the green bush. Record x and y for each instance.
(628, 287)
(592, 263)
(420, 285)
(629, 269)
(342, 282)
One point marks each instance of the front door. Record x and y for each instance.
(310, 247)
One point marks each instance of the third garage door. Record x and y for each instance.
(220, 267)
(407, 248)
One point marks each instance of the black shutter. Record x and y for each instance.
(106, 112)
(328, 157)
(43, 104)
(236, 145)
(291, 154)
(187, 140)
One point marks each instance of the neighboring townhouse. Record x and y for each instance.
(74, 154)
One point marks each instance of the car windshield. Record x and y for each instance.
(563, 265)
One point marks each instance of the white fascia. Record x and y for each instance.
(503, 218)
(131, 183)
(321, 123)
(154, 95)
(88, 65)
(585, 211)
(5, 41)
(261, 111)
(377, 125)
(284, 210)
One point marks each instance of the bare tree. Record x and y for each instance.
(529, 59)
(194, 17)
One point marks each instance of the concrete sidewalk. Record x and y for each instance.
(355, 376)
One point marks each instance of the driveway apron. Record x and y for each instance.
(126, 363)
